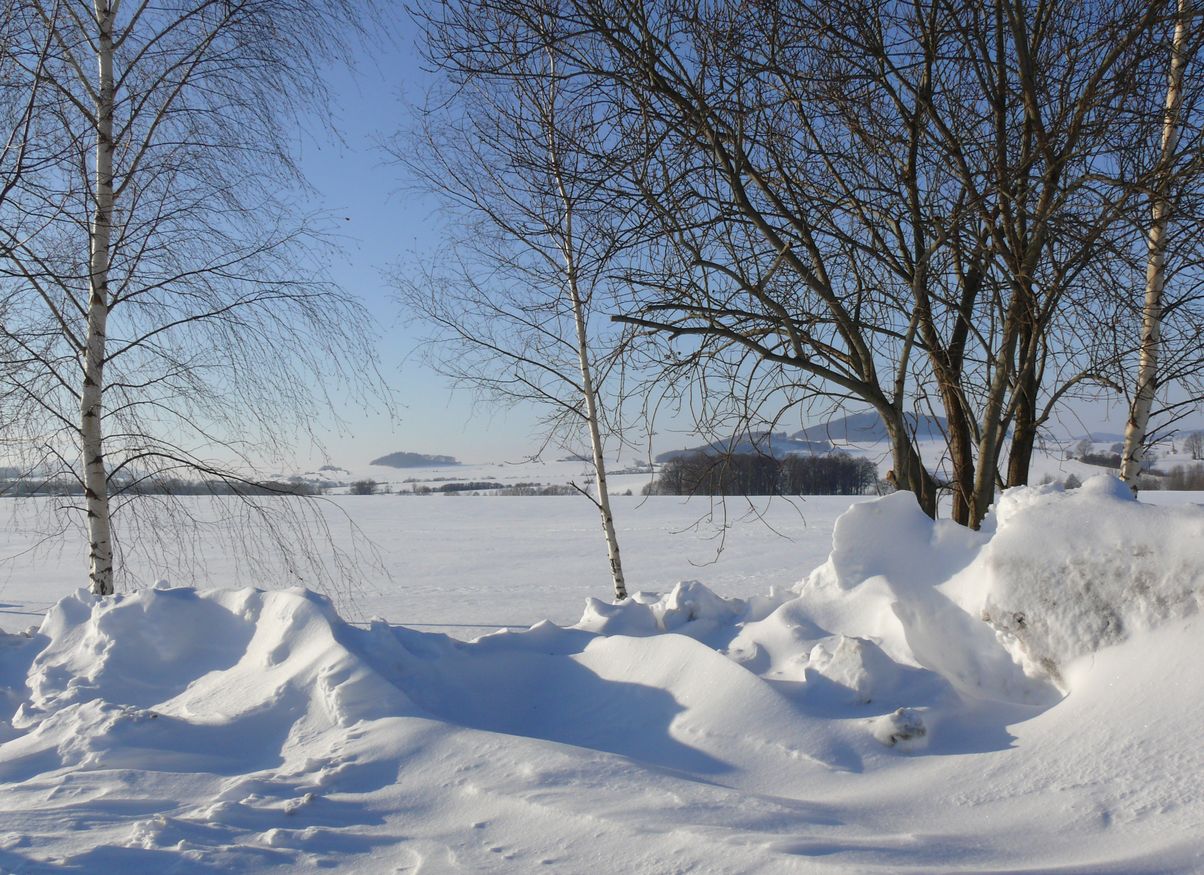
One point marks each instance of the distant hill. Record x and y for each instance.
(1100, 437)
(777, 444)
(1182, 430)
(868, 428)
(414, 460)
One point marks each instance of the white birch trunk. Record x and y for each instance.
(589, 394)
(595, 437)
(96, 489)
(588, 389)
(1137, 427)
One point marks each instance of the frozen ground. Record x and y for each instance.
(911, 698)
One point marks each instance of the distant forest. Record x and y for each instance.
(414, 460)
(758, 474)
(25, 487)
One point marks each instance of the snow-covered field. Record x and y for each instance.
(874, 693)
(467, 565)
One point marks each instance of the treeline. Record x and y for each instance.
(1102, 460)
(60, 488)
(757, 474)
(495, 489)
(461, 487)
(522, 490)
(1183, 478)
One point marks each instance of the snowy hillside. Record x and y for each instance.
(928, 699)
(868, 428)
(621, 476)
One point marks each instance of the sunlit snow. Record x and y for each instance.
(880, 710)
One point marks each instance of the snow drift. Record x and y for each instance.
(1068, 573)
(903, 708)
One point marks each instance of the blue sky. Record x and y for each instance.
(385, 222)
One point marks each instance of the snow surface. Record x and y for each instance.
(866, 719)
(468, 565)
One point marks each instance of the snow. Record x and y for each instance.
(858, 717)
(468, 565)
(1070, 572)
(622, 475)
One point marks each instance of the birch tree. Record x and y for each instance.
(159, 273)
(1161, 211)
(510, 153)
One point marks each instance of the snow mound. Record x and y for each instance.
(1068, 573)
(1055, 574)
(882, 583)
(16, 652)
(855, 664)
(903, 728)
(690, 609)
(223, 680)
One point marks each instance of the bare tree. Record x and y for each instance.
(1160, 215)
(158, 274)
(918, 208)
(1194, 444)
(511, 153)
(890, 203)
(21, 85)
(896, 202)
